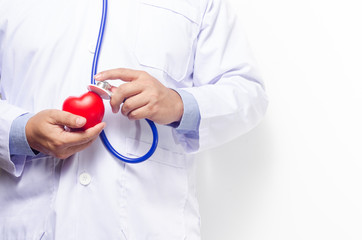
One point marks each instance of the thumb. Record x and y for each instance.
(68, 119)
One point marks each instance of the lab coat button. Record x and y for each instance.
(85, 179)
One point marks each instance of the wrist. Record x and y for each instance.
(177, 106)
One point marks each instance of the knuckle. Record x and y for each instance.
(126, 106)
(86, 139)
(57, 144)
(123, 111)
(117, 97)
(152, 107)
(58, 155)
(113, 100)
(153, 97)
(152, 112)
(133, 116)
(143, 74)
(62, 155)
(113, 103)
(119, 91)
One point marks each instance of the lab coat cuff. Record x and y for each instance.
(11, 164)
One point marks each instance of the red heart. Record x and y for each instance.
(89, 105)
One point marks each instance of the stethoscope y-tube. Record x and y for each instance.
(103, 88)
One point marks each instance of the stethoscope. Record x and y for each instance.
(103, 89)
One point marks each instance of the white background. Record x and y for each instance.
(298, 175)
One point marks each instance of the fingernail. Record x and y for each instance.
(115, 110)
(80, 121)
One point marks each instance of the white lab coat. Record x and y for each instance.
(46, 51)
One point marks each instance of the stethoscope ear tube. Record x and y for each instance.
(103, 91)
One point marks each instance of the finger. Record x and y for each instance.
(133, 103)
(82, 137)
(67, 119)
(67, 152)
(140, 113)
(95, 130)
(124, 74)
(74, 149)
(123, 92)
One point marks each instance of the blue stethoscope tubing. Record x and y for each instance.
(103, 136)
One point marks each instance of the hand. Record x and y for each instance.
(143, 96)
(45, 133)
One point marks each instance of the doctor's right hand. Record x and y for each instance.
(45, 133)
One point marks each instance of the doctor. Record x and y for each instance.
(184, 64)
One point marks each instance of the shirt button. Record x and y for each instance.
(85, 179)
(92, 48)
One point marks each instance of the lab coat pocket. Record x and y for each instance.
(166, 33)
(156, 194)
(26, 202)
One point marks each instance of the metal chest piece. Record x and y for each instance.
(103, 89)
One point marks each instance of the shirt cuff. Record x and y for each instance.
(18, 144)
(190, 121)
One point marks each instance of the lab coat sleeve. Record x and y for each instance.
(12, 164)
(227, 87)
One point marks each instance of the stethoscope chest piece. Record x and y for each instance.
(103, 89)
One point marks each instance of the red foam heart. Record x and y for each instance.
(89, 105)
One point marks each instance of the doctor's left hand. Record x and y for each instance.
(143, 96)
